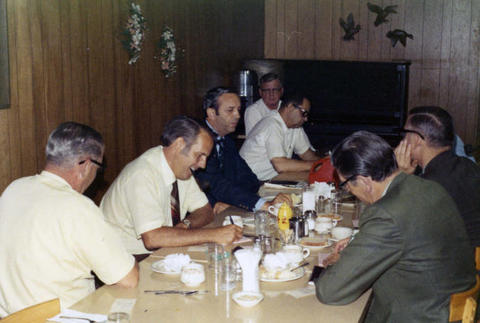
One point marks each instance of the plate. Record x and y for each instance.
(315, 243)
(297, 273)
(159, 267)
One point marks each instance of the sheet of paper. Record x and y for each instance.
(123, 305)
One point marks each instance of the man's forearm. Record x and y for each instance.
(282, 164)
(309, 155)
(201, 217)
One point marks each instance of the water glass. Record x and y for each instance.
(359, 207)
(118, 317)
(229, 273)
(261, 223)
(215, 254)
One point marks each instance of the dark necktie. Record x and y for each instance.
(175, 204)
(220, 141)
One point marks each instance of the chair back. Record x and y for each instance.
(477, 258)
(469, 311)
(35, 314)
(458, 300)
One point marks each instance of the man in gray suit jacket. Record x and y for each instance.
(412, 248)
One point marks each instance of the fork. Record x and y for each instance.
(79, 318)
(180, 292)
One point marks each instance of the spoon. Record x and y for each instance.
(299, 266)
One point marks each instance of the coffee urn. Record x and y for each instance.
(246, 86)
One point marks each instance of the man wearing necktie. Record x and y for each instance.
(148, 202)
(227, 179)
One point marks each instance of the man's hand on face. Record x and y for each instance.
(228, 234)
(219, 207)
(280, 198)
(403, 154)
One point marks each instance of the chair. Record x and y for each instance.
(469, 311)
(458, 300)
(35, 314)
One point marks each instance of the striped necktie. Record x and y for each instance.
(220, 141)
(175, 204)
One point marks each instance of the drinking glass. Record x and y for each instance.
(229, 273)
(118, 317)
(261, 223)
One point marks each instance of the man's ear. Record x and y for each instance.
(366, 183)
(211, 113)
(178, 144)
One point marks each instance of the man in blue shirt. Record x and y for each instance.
(227, 179)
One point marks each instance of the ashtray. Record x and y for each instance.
(247, 299)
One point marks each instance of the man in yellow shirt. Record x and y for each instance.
(52, 236)
(138, 204)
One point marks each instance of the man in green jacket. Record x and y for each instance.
(412, 248)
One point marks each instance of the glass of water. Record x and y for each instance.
(261, 223)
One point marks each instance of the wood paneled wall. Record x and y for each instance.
(67, 63)
(445, 51)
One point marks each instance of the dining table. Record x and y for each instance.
(284, 301)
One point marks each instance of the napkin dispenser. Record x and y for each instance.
(323, 171)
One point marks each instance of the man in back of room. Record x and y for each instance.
(271, 90)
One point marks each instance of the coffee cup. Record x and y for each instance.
(339, 233)
(295, 254)
(324, 224)
(273, 209)
(193, 274)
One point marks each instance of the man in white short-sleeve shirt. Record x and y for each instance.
(270, 145)
(52, 236)
(138, 203)
(271, 90)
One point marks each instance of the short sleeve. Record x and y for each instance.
(99, 247)
(274, 141)
(146, 200)
(302, 143)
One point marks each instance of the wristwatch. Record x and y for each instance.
(187, 223)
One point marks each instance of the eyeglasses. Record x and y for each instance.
(101, 166)
(342, 184)
(305, 113)
(404, 131)
(274, 90)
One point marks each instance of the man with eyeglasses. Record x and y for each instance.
(269, 148)
(271, 90)
(429, 138)
(412, 248)
(52, 236)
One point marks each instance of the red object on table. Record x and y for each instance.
(323, 171)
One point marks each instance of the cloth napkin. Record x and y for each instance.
(72, 313)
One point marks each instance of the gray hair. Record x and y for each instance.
(71, 141)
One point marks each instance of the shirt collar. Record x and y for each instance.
(214, 131)
(55, 178)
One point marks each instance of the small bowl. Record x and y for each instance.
(247, 299)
